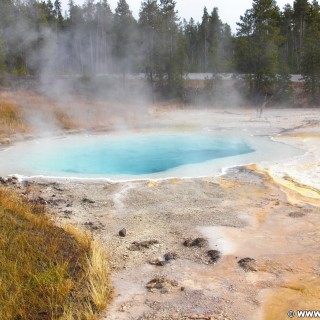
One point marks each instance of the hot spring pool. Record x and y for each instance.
(133, 156)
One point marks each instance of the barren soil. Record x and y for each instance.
(268, 213)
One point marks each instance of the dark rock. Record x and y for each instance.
(38, 201)
(198, 242)
(91, 225)
(3, 180)
(57, 188)
(123, 232)
(140, 245)
(158, 262)
(161, 283)
(248, 264)
(170, 256)
(163, 261)
(26, 184)
(56, 202)
(12, 180)
(164, 291)
(296, 214)
(214, 255)
(86, 200)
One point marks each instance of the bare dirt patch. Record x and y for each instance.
(159, 219)
(242, 214)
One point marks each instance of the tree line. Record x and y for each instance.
(36, 37)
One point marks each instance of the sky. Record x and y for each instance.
(229, 10)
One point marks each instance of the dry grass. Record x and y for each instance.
(32, 113)
(26, 112)
(20, 112)
(63, 120)
(11, 118)
(47, 272)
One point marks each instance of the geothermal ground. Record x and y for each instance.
(243, 245)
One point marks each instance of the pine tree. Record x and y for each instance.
(124, 38)
(169, 77)
(287, 50)
(181, 57)
(258, 46)
(104, 22)
(58, 13)
(2, 56)
(300, 10)
(149, 23)
(192, 45)
(204, 31)
(311, 53)
(227, 51)
(215, 42)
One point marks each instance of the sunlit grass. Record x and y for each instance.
(47, 272)
(63, 120)
(27, 112)
(11, 118)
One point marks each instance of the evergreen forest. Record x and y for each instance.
(37, 37)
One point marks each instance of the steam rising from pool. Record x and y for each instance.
(132, 156)
(137, 154)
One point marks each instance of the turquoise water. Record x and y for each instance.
(136, 154)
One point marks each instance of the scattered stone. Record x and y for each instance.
(56, 202)
(26, 184)
(68, 212)
(38, 201)
(296, 214)
(3, 180)
(140, 245)
(164, 291)
(214, 255)
(248, 264)
(163, 260)
(57, 188)
(86, 200)
(198, 242)
(123, 308)
(5, 141)
(170, 256)
(91, 225)
(162, 284)
(200, 317)
(12, 180)
(158, 262)
(123, 232)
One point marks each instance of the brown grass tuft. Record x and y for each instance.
(11, 118)
(47, 272)
(63, 120)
